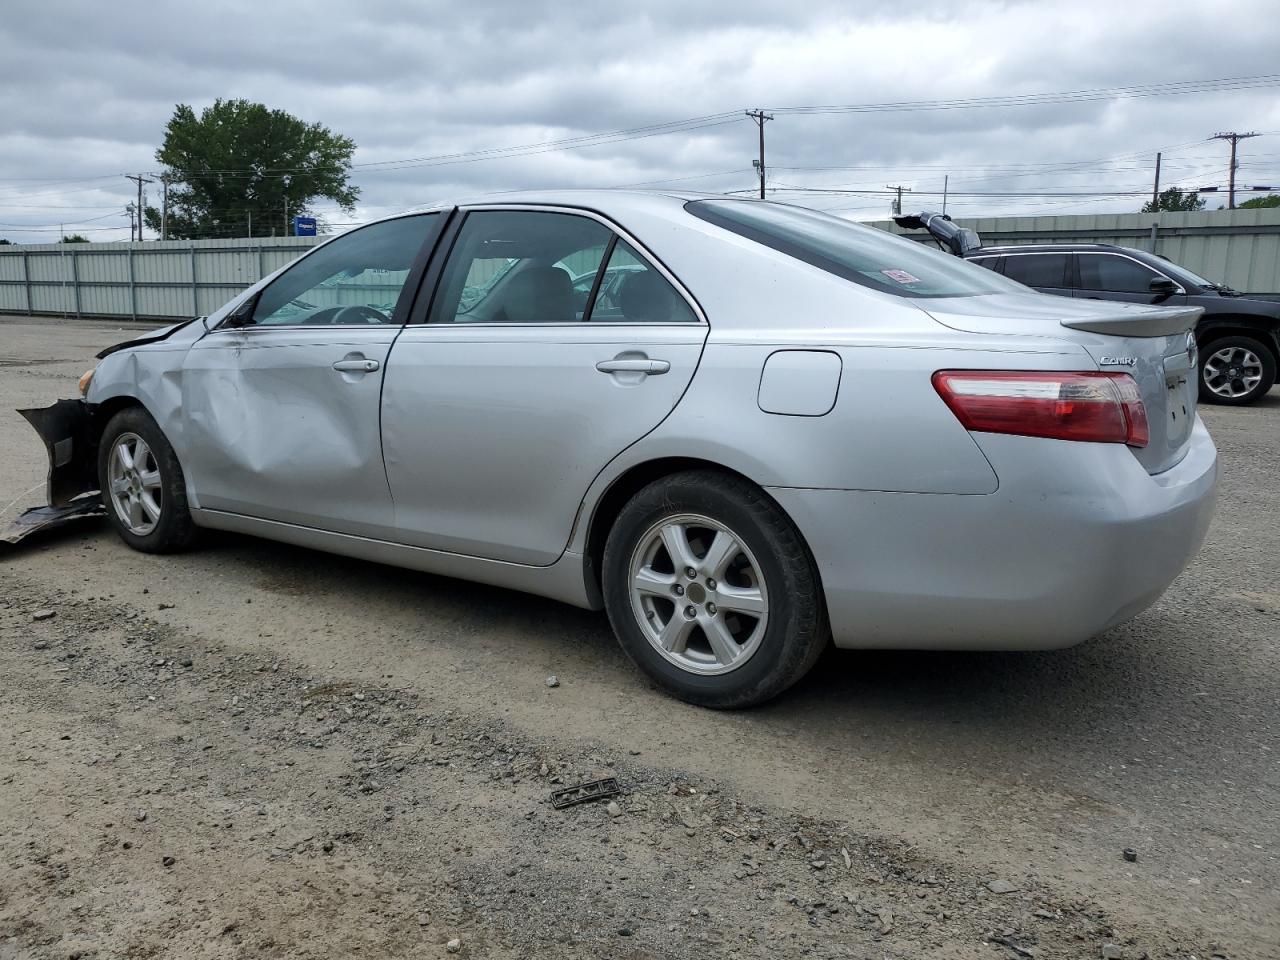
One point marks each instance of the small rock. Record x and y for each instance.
(818, 864)
(166, 606)
(141, 816)
(1131, 854)
(40, 645)
(168, 861)
(543, 770)
(613, 809)
(454, 945)
(44, 615)
(1001, 886)
(553, 681)
(1111, 952)
(624, 931)
(885, 916)
(188, 663)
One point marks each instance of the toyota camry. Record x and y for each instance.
(744, 429)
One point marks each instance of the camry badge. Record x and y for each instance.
(1118, 361)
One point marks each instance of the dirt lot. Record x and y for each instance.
(256, 750)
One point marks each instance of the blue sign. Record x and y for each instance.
(304, 226)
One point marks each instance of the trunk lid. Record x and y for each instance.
(1154, 345)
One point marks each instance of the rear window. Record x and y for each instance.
(864, 255)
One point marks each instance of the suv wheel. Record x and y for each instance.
(1236, 371)
(712, 592)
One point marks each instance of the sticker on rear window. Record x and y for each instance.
(901, 276)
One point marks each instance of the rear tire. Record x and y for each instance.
(751, 619)
(1235, 371)
(142, 484)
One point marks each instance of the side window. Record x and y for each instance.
(356, 279)
(632, 291)
(1102, 271)
(1037, 269)
(520, 266)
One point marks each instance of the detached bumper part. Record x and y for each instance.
(66, 429)
(47, 518)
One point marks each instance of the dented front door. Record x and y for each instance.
(282, 424)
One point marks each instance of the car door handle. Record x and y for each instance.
(356, 366)
(634, 365)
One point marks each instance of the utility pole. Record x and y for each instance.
(1234, 138)
(140, 180)
(897, 203)
(129, 209)
(761, 118)
(165, 179)
(1155, 188)
(946, 180)
(249, 214)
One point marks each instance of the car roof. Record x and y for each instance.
(1058, 248)
(604, 200)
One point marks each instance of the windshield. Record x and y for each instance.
(864, 255)
(1182, 274)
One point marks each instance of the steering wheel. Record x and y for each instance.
(357, 312)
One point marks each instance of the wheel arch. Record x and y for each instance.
(630, 482)
(1218, 328)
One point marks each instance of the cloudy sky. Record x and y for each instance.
(87, 88)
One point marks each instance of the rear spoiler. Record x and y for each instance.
(1142, 322)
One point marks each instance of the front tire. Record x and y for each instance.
(712, 592)
(142, 484)
(1235, 371)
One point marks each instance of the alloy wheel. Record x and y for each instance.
(133, 478)
(1233, 372)
(698, 594)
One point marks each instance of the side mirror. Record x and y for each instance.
(1163, 287)
(242, 316)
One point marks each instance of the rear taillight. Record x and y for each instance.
(1100, 407)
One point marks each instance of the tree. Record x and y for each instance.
(1174, 199)
(5, 243)
(1270, 200)
(240, 167)
(74, 238)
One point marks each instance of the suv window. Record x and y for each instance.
(864, 255)
(1037, 269)
(357, 278)
(1106, 271)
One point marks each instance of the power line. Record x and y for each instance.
(1175, 88)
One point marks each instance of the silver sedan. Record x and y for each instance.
(744, 429)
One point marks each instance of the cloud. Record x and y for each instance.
(88, 88)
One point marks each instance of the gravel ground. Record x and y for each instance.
(257, 750)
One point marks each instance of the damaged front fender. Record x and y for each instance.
(67, 431)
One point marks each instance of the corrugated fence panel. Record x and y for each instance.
(168, 279)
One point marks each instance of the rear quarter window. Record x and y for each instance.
(865, 255)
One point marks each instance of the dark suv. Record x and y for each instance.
(1239, 338)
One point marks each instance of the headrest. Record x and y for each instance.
(539, 295)
(646, 296)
